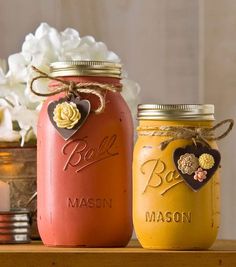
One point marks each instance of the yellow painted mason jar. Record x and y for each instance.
(167, 212)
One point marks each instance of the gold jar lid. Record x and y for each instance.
(85, 68)
(176, 112)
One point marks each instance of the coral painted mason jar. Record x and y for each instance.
(84, 159)
(175, 178)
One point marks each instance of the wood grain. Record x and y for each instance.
(223, 253)
(157, 42)
(220, 89)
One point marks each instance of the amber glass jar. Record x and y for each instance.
(167, 212)
(84, 182)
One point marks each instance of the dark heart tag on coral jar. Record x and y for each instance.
(83, 107)
(196, 164)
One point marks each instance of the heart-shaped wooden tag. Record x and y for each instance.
(196, 164)
(82, 105)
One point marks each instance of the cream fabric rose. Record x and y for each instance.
(66, 115)
(188, 163)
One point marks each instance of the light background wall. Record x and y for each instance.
(180, 51)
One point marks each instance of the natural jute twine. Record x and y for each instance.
(197, 134)
(73, 88)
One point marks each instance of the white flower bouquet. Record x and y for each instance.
(19, 108)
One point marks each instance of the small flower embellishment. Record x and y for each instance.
(66, 115)
(200, 175)
(196, 164)
(206, 161)
(188, 163)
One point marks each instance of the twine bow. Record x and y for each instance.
(197, 134)
(72, 88)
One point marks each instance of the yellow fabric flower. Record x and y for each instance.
(66, 115)
(206, 161)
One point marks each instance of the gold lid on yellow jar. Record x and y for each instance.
(176, 112)
(85, 68)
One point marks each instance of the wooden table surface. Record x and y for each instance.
(223, 253)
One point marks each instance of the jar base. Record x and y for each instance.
(85, 246)
(175, 248)
(178, 248)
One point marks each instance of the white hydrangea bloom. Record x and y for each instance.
(7, 134)
(3, 69)
(47, 45)
(130, 93)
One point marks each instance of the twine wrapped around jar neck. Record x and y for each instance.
(196, 134)
(73, 88)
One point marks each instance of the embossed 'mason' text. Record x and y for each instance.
(89, 203)
(168, 216)
(81, 155)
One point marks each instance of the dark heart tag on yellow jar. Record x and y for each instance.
(68, 115)
(196, 164)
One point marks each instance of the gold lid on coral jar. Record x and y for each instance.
(85, 68)
(176, 112)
